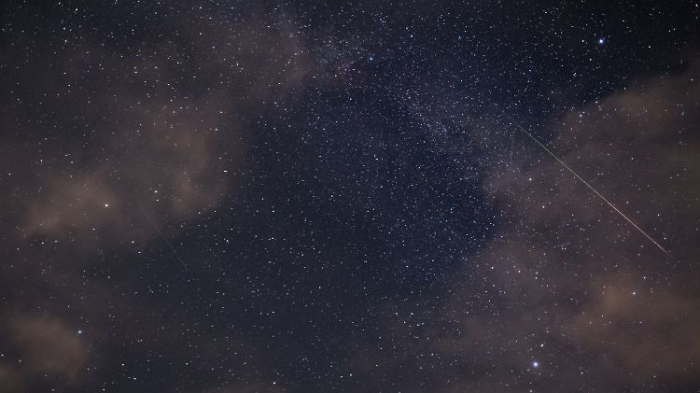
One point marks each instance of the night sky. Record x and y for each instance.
(327, 196)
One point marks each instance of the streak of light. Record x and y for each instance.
(568, 168)
(162, 236)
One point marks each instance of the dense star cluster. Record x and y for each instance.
(317, 196)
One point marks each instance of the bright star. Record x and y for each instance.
(601, 40)
(535, 364)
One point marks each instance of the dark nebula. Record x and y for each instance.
(319, 196)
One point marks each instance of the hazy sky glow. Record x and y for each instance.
(314, 196)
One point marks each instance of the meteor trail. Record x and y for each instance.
(540, 144)
(162, 236)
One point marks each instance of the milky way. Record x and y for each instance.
(314, 196)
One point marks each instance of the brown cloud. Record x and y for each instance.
(639, 148)
(9, 379)
(600, 285)
(566, 281)
(161, 162)
(48, 345)
(649, 331)
(107, 147)
(39, 346)
(136, 151)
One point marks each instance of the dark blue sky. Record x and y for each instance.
(321, 196)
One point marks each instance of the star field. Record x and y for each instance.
(312, 196)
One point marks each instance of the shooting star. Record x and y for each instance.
(162, 236)
(568, 168)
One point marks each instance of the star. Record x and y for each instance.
(346, 196)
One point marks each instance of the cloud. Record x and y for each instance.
(106, 147)
(9, 378)
(637, 147)
(160, 164)
(135, 152)
(39, 345)
(648, 332)
(565, 281)
(595, 282)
